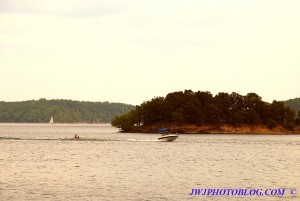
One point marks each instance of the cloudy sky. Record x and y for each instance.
(130, 51)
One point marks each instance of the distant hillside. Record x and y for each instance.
(294, 104)
(63, 111)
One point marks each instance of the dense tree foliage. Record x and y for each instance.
(294, 104)
(63, 111)
(202, 108)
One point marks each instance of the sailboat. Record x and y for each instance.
(51, 120)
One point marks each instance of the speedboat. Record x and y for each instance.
(168, 137)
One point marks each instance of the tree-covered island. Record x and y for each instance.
(201, 112)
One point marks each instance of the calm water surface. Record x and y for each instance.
(40, 162)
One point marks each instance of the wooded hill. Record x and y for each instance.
(63, 111)
(202, 108)
(294, 104)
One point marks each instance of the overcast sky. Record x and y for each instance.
(130, 51)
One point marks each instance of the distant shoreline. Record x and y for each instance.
(56, 123)
(219, 129)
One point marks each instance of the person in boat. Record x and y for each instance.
(164, 131)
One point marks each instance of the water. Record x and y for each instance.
(40, 162)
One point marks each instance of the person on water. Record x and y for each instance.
(76, 136)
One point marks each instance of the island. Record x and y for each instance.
(202, 113)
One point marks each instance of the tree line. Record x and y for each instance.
(294, 104)
(63, 111)
(202, 108)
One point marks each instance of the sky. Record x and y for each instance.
(130, 51)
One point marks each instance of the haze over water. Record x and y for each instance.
(40, 162)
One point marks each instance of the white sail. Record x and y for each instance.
(51, 120)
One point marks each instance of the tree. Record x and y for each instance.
(152, 111)
(289, 119)
(276, 112)
(253, 107)
(127, 121)
(225, 107)
(207, 102)
(297, 121)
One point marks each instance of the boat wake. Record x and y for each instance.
(58, 139)
(135, 140)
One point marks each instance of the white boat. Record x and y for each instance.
(168, 137)
(51, 120)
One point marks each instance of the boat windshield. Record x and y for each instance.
(163, 130)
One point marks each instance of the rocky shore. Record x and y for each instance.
(218, 129)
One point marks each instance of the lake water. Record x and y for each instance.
(40, 162)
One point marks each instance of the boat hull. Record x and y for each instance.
(168, 138)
